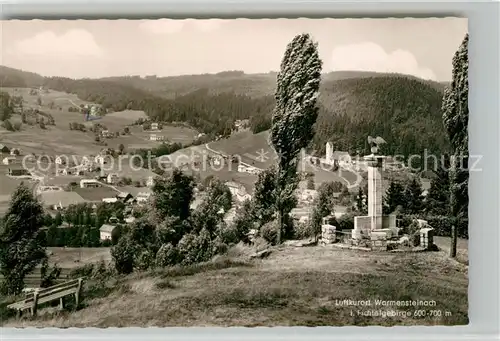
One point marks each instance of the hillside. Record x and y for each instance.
(404, 110)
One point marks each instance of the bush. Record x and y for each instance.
(219, 247)
(346, 222)
(442, 226)
(195, 249)
(144, 260)
(228, 234)
(303, 230)
(167, 255)
(123, 255)
(269, 231)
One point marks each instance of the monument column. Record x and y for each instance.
(375, 190)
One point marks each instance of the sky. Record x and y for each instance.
(167, 47)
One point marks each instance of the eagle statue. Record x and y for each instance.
(374, 143)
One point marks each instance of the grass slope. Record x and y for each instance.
(293, 287)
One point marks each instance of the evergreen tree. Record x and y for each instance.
(361, 201)
(394, 197)
(438, 198)
(324, 205)
(294, 116)
(21, 249)
(264, 199)
(173, 195)
(456, 118)
(414, 201)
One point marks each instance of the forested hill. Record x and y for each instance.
(404, 110)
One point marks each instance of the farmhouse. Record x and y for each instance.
(339, 158)
(89, 183)
(112, 178)
(4, 149)
(124, 197)
(15, 151)
(154, 137)
(97, 195)
(58, 200)
(105, 231)
(9, 160)
(18, 172)
(238, 191)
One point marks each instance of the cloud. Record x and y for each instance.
(170, 26)
(371, 57)
(73, 43)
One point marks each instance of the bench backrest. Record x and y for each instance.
(47, 294)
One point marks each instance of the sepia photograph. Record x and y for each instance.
(234, 172)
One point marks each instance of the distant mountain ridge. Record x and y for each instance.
(403, 109)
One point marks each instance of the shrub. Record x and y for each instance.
(303, 230)
(228, 234)
(167, 255)
(219, 247)
(123, 255)
(144, 260)
(82, 271)
(269, 231)
(346, 222)
(442, 226)
(195, 249)
(48, 275)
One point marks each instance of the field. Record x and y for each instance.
(293, 286)
(60, 139)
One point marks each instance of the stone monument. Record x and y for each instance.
(375, 228)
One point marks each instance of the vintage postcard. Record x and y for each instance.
(278, 172)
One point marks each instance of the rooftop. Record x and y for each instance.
(65, 198)
(134, 191)
(96, 194)
(107, 228)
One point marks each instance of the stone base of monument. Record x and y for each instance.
(379, 240)
(328, 234)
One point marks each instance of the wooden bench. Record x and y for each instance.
(40, 296)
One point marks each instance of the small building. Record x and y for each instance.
(60, 160)
(154, 137)
(154, 126)
(150, 182)
(99, 159)
(15, 151)
(112, 178)
(110, 200)
(4, 149)
(18, 172)
(105, 231)
(9, 160)
(58, 200)
(130, 220)
(125, 197)
(89, 183)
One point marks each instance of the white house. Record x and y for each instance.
(154, 137)
(89, 183)
(238, 191)
(110, 200)
(99, 159)
(9, 160)
(60, 160)
(343, 158)
(105, 231)
(150, 182)
(154, 126)
(15, 151)
(112, 178)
